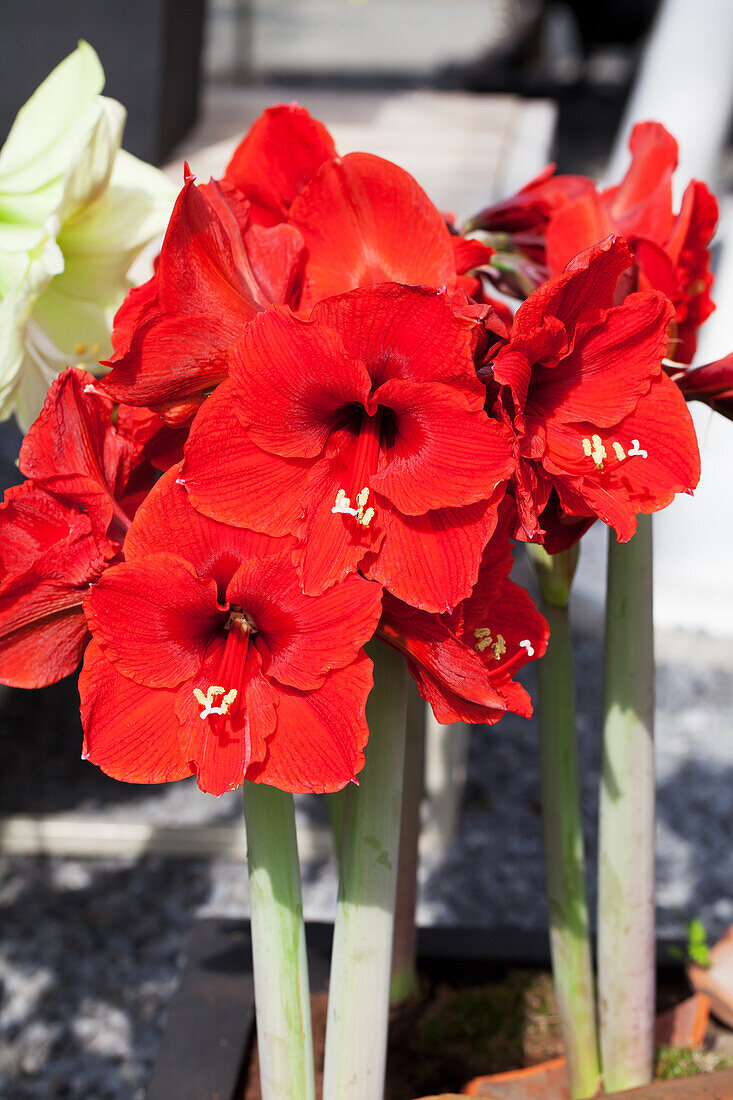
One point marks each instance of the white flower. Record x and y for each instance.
(75, 211)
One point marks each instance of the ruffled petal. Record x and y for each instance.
(130, 731)
(404, 332)
(154, 617)
(307, 376)
(281, 152)
(353, 217)
(445, 453)
(320, 736)
(432, 561)
(230, 479)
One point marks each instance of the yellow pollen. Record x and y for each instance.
(499, 647)
(80, 348)
(619, 452)
(593, 448)
(361, 513)
(207, 701)
(483, 638)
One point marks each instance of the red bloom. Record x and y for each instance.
(463, 662)
(61, 529)
(216, 271)
(534, 204)
(670, 251)
(362, 432)
(207, 657)
(49, 555)
(596, 418)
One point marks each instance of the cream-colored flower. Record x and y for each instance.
(75, 211)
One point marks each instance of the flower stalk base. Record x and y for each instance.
(626, 934)
(572, 965)
(358, 1002)
(282, 995)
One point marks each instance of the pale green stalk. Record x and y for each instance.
(282, 997)
(404, 951)
(626, 935)
(358, 1001)
(572, 964)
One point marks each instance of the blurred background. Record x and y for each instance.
(101, 881)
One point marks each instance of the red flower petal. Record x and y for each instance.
(307, 376)
(446, 452)
(575, 227)
(611, 366)
(130, 732)
(641, 205)
(168, 519)
(173, 614)
(432, 561)
(48, 558)
(320, 736)
(404, 332)
(282, 151)
(230, 479)
(353, 216)
(302, 638)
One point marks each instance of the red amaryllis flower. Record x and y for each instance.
(49, 555)
(670, 250)
(60, 530)
(596, 418)
(463, 662)
(533, 205)
(207, 657)
(215, 272)
(361, 431)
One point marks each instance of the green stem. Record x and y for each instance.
(626, 934)
(358, 1002)
(282, 998)
(335, 805)
(564, 848)
(404, 961)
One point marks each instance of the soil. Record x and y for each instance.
(447, 1035)
(444, 1036)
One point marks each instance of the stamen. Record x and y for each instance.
(483, 638)
(635, 449)
(342, 506)
(619, 452)
(593, 448)
(526, 644)
(80, 348)
(207, 701)
(499, 647)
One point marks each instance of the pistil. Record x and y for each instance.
(363, 466)
(231, 670)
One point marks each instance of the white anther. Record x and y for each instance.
(180, 481)
(526, 644)
(587, 447)
(90, 388)
(619, 452)
(207, 701)
(599, 451)
(342, 506)
(635, 449)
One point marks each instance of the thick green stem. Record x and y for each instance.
(358, 1001)
(572, 964)
(626, 934)
(404, 963)
(282, 998)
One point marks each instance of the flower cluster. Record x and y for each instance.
(351, 432)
